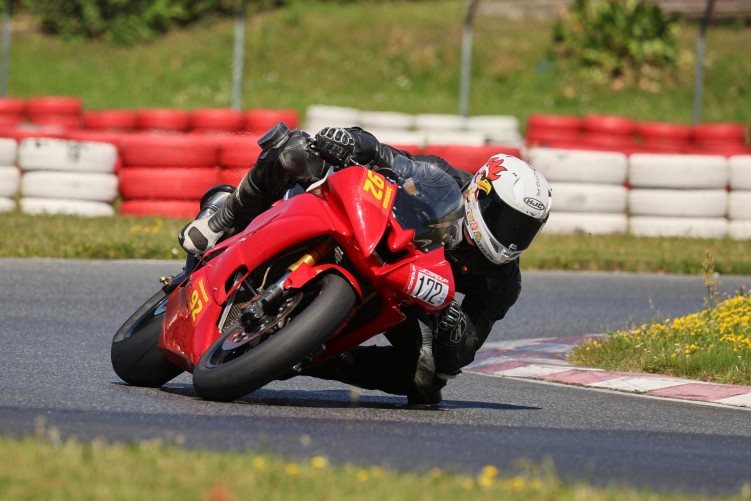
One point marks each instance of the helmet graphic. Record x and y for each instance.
(506, 205)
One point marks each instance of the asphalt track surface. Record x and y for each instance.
(58, 318)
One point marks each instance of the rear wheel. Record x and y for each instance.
(245, 358)
(136, 358)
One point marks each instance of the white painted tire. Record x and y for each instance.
(94, 186)
(391, 137)
(588, 223)
(8, 151)
(7, 204)
(498, 129)
(64, 155)
(579, 166)
(739, 205)
(9, 180)
(388, 120)
(678, 203)
(739, 230)
(650, 170)
(319, 116)
(71, 207)
(439, 122)
(589, 197)
(691, 227)
(457, 138)
(740, 172)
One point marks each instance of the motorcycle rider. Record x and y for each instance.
(507, 202)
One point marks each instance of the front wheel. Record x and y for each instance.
(243, 359)
(136, 358)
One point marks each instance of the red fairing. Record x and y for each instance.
(353, 207)
(368, 209)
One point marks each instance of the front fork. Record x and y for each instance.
(272, 296)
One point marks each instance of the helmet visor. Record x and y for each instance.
(509, 227)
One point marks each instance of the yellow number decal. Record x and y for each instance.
(195, 305)
(374, 184)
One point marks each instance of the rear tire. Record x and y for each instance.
(223, 374)
(136, 358)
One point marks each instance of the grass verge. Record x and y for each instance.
(711, 345)
(123, 237)
(49, 468)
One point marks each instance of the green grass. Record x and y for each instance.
(124, 237)
(48, 468)
(711, 345)
(401, 56)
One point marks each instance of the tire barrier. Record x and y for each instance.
(159, 169)
(10, 176)
(588, 189)
(237, 155)
(217, 120)
(469, 158)
(259, 121)
(739, 198)
(110, 120)
(12, 111)
(61, 176)
(611, 174)
(64, 112)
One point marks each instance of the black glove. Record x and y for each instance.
(335, 145)
(455, 341)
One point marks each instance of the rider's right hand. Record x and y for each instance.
(198, 237)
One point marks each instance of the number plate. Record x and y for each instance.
(428, 287)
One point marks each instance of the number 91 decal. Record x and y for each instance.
(427, 286)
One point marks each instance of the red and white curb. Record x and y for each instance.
(545, 360)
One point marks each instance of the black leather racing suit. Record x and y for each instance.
(489, 290)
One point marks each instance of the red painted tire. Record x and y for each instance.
(414, 149)
(54, 105)
(537, 136)
(469, 158)
(232, 176)
(176, 209)
(609, 124)
(238, 152)
(216, 119)
(12, 106)
(663, 130)
(609, 140)
(261, 120)
(164, 183)
(20, 134)
(97, 136)
(558, 122)
(56, 121)
(725, 132)
(162, 119)
(168, 150)
(114, 120)
(11, 120)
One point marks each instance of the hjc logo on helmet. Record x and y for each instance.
(534, 203)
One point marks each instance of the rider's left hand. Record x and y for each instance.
(335, 145)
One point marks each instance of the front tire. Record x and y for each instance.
(232, 368)
(136, 358)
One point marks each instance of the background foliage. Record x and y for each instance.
(618, 38)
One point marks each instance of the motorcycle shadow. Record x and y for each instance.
(343, 399)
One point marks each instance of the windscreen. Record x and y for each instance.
(428, 201)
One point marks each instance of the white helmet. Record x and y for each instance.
(506, 205)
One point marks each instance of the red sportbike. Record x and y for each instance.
(312, 277)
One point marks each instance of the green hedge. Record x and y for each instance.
(129, 21)
(126, 21)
